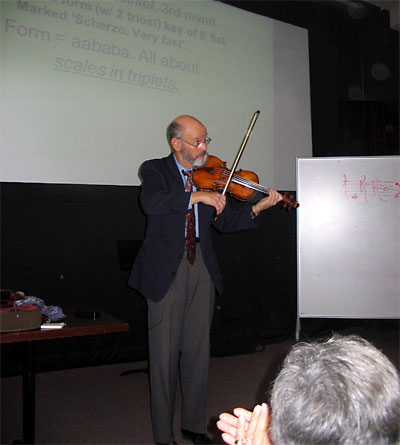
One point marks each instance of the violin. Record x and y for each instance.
(242, 186)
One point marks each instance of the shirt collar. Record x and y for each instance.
(180, 167)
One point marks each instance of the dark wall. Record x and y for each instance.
(73, 245)
(354, 73)
(62, 243)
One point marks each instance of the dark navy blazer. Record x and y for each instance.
(165, 202)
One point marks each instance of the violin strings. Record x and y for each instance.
(250, 184)
(245, 182)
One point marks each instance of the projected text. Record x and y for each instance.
(81, 30)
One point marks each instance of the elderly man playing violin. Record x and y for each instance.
(176, 270)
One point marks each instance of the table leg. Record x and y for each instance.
(29, 394)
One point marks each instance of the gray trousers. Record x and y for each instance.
(179, 330)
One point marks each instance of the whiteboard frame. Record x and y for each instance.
(308, 191)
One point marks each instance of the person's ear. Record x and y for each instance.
(176, 144)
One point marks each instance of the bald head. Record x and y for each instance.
(184, 133)
(178, 126)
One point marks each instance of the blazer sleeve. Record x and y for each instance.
(235, 217)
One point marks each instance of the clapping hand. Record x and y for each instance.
(245, 427)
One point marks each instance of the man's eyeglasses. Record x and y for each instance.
(197, 144)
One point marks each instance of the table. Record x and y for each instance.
(75, 327)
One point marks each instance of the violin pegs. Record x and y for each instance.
(288, 201)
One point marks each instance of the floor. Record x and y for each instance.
(110, 404)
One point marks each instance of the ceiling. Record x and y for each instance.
(393, 7)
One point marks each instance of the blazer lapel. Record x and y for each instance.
(173, 172)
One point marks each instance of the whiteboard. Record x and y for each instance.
(348, 237)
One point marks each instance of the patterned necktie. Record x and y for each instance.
(190, 239)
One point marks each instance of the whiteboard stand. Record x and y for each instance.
(298, 327)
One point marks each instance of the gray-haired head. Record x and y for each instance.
(342, 391)
(174, 130)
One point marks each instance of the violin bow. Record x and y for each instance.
(239, 154)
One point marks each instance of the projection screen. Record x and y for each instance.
(89, 87)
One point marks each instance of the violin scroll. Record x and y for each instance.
(288, 202)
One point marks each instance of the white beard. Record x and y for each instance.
(198, 161)
(201, 160)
